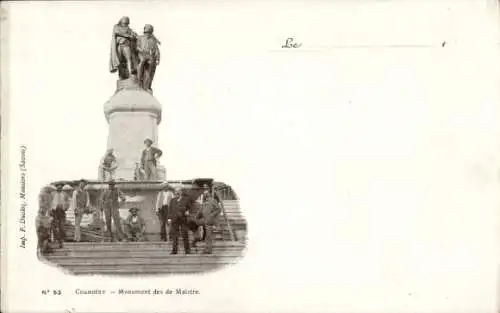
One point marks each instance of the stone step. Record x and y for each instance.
(155, 244)
(183, 260)
(140, 249)
(144, 271)
(143, 249)
(165, 247)
(152, 266)
(57, 256)
(137, 252)
(134, 270)
(130, 258)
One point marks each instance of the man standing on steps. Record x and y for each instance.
(162, 202)
(110, 202)
(178, 212)
(58, 213)
(80, 202)
(148, 160)
(206, 217)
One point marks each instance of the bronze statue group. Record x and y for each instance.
(134, 55)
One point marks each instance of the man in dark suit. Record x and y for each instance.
(148, 160)
(178, 213)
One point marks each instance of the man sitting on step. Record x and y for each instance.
(43, 222)
(135, 226)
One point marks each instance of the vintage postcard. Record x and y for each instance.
(250, 156)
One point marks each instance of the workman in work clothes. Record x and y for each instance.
(110, 201)
(60, 205)
(207, 218)
(135, 226)
(80, 202)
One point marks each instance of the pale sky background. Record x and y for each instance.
(366, 162)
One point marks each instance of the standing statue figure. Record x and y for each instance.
(123, 57)
(108, 166)
(149, 158)
(149, 57)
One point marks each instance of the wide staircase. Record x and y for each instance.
(150, 257)
(129, 258)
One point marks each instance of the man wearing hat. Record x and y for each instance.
(207, 217)
(110, 203)
(148, 160)
(178, 212)
(45, 199)
(43, 223)
(58, 212)
(135, 225)
(80, 202)
(162, 202)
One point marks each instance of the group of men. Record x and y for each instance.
(146, 171)
(52, 217)
(177, 212)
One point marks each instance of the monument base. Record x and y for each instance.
(128, 173)
(139, 194)
(143, 195)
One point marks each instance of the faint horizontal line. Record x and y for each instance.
(324, 48)
(296, 50)
(376, 46)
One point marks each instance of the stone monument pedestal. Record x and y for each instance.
(133, 115)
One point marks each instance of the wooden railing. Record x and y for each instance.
(226, 220)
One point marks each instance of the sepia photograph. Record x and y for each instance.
(250, 156)
(129, 218)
